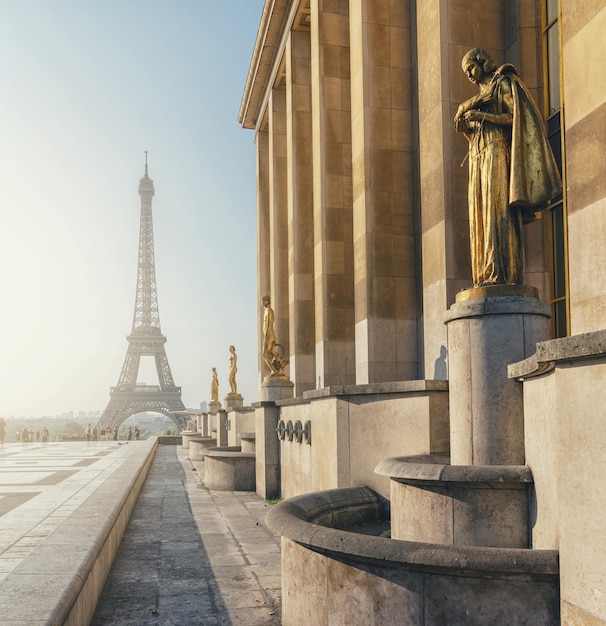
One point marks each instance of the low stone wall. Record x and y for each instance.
(334, 576)
(169, 440)
(565, 434)
(334, 437)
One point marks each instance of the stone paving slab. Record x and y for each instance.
(193, 557)
(61, 506)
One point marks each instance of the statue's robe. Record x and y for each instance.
(512, 176)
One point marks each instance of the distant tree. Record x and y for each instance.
(71, 430)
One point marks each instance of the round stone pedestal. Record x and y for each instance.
(199, 447)
(276, 389)
(488, 329)
(187, 436)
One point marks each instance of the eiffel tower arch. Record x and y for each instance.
(146, 338)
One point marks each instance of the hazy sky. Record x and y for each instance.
(86, 87)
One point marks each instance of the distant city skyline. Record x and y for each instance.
(87, 89)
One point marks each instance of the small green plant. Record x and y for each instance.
(274, 500)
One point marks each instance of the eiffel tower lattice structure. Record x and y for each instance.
(146, 338)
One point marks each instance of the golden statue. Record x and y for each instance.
(273, 353)
(512, 170)
(214, 386)
(233, 368)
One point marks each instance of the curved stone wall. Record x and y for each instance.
(331, 575)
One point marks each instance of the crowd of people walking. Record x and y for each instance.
(109, 433)
(26, 434)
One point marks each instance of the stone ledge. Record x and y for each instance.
(397, 387)
(587, 346)
(433, 467)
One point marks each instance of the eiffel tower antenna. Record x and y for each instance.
(146, 338)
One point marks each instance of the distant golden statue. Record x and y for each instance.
(273, 353)
(214, 386)
(233, 368)
(512, 171)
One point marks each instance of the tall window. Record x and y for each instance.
(557, 244)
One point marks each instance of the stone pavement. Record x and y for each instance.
(191, 556)
(63, 509)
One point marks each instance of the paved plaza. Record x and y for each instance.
(41, 485)
(189, 556)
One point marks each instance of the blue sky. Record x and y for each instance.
(86, 88)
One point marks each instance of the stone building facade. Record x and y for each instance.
(363, 243)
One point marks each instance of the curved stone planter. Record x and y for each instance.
(337, 576)
(187, 436)
(464, 505)
(229, 469)
(199, 447)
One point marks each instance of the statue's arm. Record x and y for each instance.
(504, 117)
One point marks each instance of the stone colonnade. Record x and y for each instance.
(361, 200)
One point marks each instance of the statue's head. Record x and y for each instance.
(266, 300)
(479, 58)
(232, 349)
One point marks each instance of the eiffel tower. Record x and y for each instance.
(145, 339)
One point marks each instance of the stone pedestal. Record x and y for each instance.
(203, 428)
(199, 447)
(232, 401)
(267, 448)
(214, 407)
(488, 329)
(276, 389)
(229, 469)
(187, 436)
(221, 434)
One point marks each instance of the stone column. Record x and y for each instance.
(332, 191)
(300, 212)
(222, 428)
(278, 214)
(267, 450)
(488, 329)
(383, 192)
(263, 248)
(443, 36)
(203, 425)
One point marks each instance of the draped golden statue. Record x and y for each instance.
(214, 386)
(512, 171)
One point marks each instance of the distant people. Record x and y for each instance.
(89, 432)
(115, 433)
(95, 434)
(2, 431)
(18, 435)
(45, 434)
(137, 433)
(38, 434)
(129, 435)
(25, 435)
